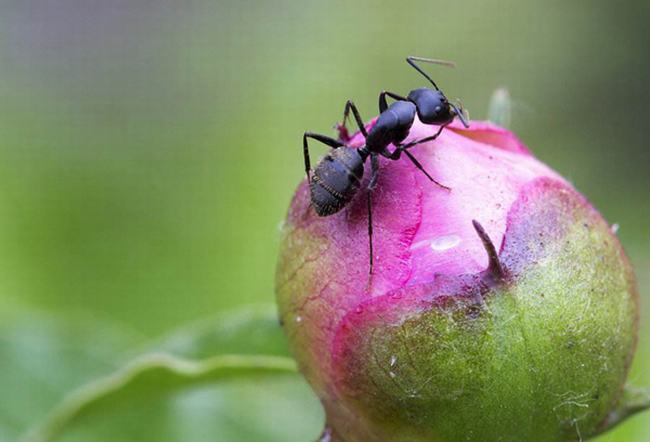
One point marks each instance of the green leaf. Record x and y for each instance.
(152, 385)
(42, 359)
(226, 378)
(253, 330)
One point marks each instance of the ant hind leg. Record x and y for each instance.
(374, 162)
(305, 148)
(349, 105)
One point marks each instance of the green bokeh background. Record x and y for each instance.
(149, 149)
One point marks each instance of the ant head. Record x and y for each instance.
(435, 110)
(432, 106)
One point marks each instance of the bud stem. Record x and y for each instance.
(633, 400)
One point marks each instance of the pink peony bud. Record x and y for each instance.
(440, 343)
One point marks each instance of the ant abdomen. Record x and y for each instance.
(336, 180)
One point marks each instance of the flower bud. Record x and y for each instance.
(502, 309)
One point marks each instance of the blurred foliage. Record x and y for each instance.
(193, 385)
(149, 149)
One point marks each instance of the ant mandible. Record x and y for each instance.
(337, 177)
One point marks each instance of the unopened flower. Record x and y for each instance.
(503, 309)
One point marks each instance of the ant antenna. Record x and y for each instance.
(461, 113)
(411, 60)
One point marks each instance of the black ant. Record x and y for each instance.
(432, 106)
(337, 177)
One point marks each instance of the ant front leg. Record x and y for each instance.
(383, 104)
(417, 164)
(331, 142)
(423, 140)
(397, 153)
(357, 116)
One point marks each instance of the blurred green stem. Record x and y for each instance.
(634, 400)
(500, 109)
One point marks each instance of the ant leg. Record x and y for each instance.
(305, 148)
(383, 105)
(419, 166)
(371, 185)
(374, 167)
(423, 140)
(397, 153)
(370, 256)
(357, 116)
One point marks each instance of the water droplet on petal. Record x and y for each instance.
(446, 242)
